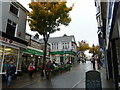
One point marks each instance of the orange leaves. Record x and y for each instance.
(83, 46)
(48, 16)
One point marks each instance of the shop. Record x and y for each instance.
(32, 55)
(61, 56)
(10, 51)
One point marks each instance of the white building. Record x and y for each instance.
(63, 48)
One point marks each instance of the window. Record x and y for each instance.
(11, 26)
(57, 45)
(63, 45)
(52, 46)
(13, 9)
(66, 45)
(1, 56)
(10, 55)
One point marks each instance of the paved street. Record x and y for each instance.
(74, 78)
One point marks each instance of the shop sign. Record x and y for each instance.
(3, 39)
(8, 41)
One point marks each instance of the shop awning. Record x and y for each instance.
(61, 52)
(32, 51)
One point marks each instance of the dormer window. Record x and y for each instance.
(14, 9)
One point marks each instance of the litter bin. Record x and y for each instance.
(93, 80)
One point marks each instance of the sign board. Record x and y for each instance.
(93, 80)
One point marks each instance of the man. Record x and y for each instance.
(10, 73)
(93, 62)
(98, 63)
(49, 67)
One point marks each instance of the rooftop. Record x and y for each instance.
(63, 38)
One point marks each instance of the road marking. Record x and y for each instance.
(78, 83)
(81, 79)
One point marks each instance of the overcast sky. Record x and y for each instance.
(83, 25)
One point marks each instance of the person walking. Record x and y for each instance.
(31, 69)
(10, 73)
(49, 67)
(98, 63)
(93, 62)
(69, 62)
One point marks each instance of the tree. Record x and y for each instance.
(46, 17)
(83, 46)
(94, 49)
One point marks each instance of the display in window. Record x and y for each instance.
(10, 56)
(1, 55)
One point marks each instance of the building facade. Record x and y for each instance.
(12, 34)
(32, 54)
(109, 32)
(62, 48)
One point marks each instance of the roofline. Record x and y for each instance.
(19, 4)
(28, 34)
(38, 41)
(59, 37)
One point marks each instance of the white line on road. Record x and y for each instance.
(78, 83)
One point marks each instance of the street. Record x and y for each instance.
(74, 78)
(69, 79)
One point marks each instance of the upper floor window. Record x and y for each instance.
(65, 45)
(57, 45)
(14, 9)
(11, 26)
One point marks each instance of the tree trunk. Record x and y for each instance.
(45, 51)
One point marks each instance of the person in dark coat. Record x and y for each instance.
(49, 67)
(98, 63)
(10, 73)
(93, 62)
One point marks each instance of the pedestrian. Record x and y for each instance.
(49, 67)
(93, 62)
(54, 62)
(10, 73)
(98, 63)
(85, 60)
(69, 62)
(79, 60)
(31, 69)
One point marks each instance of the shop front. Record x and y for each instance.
(32, 55)
(61, 56)
(10, 51)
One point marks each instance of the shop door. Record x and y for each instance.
(61, 59)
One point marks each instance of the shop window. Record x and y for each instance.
(10, 55)
(11, 26)
(1, 56)
(13, 9)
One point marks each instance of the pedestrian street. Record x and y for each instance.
(75, 78)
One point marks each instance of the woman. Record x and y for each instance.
(31, 69)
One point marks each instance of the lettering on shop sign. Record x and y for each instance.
(3, 39)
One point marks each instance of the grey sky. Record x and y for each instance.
(83, 25)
